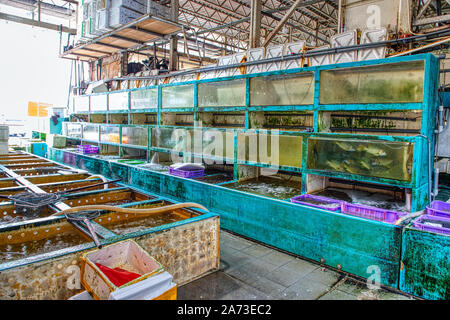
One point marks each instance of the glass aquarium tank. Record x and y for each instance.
(276, 149)
(388, 83)
(144, 99)
(218, 143)
(222, 93)
(99, 102)
(73, 130)
(268, 186)
(118, 100)
(181, 96)
(375, 158)
(169, 138)
(81, 103)
(135, 136)
(90, 132)
(282, 90)
(109, 134)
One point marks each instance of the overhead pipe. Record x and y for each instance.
(325, 51)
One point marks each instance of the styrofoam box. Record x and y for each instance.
(121, 15)
(102, 20)
(103, 4)
(130, 4)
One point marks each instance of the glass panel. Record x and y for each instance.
(287, 150)
(74, 130)
(217, 143)
(222, 93)
(109, 134)
(144, 99)
(399, 122)
(391, 160)
(90, 132)
(98, 102)
(169, 138)
(178, 96)
(81, 103)
(118, 101)
(388, 83)
(282, 90)
(134, 135)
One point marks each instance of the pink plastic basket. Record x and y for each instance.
(371, 213)
(327, 203)
(87, 148)
(187, 173)
(439, 209)
(433, 224)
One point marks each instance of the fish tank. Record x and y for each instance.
(90, 132)
(222, 93)
(118, 101)
(73, 130)
(28, 242)
(273, 149)
(109, 134)
(268, 186)
(169, 138)
(178, 96)
(389, 83)
(382, 159)
(282, 90)
(81, 103)
(135, 136)
(125, 223)
(99, 102)
(144, 99)
(217, 143)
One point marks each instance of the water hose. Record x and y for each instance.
(408, 217)
(100, 177)
(131, 210)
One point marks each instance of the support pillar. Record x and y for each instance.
(255, 23)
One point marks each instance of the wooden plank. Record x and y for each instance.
(127, 37)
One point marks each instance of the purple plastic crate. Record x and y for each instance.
(331, 204)
(87, 148)
(187, 173)
(439, 209)
(433, 224)
(371, 213)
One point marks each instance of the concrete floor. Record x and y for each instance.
(251, 271)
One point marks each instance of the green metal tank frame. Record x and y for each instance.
(413, 261)
(350, 243)
(421, 177)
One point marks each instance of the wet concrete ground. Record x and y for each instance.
(251, 271)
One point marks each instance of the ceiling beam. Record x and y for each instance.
(282, 22)
(34, 23)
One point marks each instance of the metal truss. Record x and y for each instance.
(430, 14)
(226, 23)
